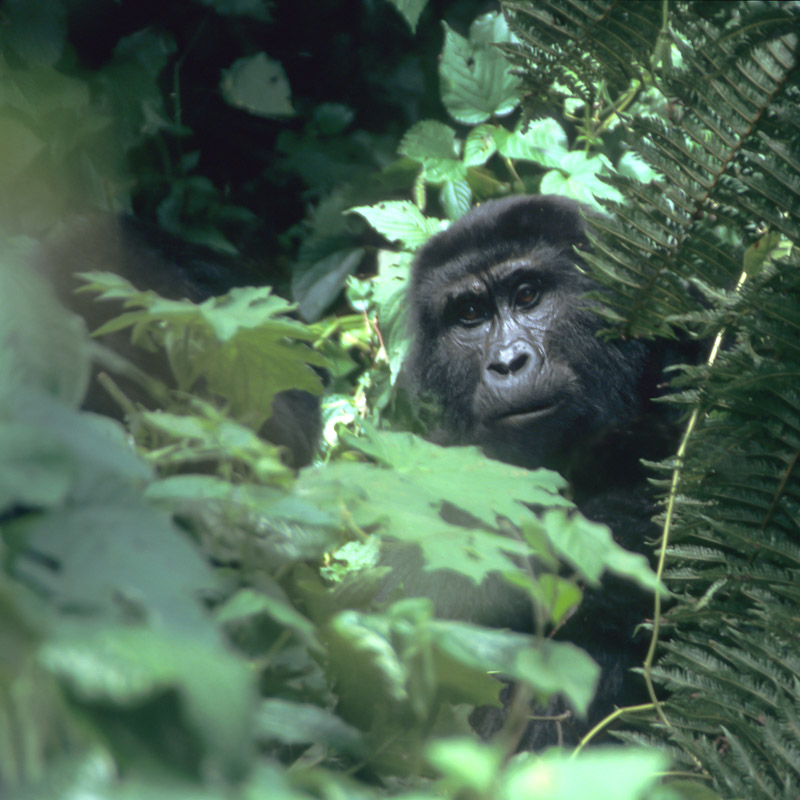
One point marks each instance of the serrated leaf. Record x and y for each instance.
(590, 548)
(480, 145)
(411, 10)
(400, 221)
(578, 177)
(543, 142)
(476, 80)
(429, 139)
(548, 668)
(241, 343)
(125, 665)
(259, 85)
(456, 197)
(118, 559)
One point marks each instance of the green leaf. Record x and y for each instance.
(466, 764)
(429, 139)
(259, 85)
(248, 603)
(480, 145)
(34, 471)
(631, 165)
(116, 559)
(542, 141)
(210, 436)
(87, 452)
(390, 293)
(546, 667)
(125, 665)
(241, 343)
(476, 79)
(411, 10)
(400, 221)
(591, 549)
(36, 29)
(41, 345)
(578, 177)
(320, 285)
(456, 197)
(302, 723)
(598, 774)
(762, 250)
(464, 477)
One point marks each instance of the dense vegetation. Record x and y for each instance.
(185, 616)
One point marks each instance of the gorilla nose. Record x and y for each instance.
(509, 360)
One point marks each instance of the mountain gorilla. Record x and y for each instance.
(505, 344)
(152, 259)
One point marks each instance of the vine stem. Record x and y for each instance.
(677, 474)
(662, 557)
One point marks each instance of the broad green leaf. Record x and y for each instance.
(34, 470)
(429, 139)
(578, 177)
(248, 603)
(117, 559)
(302, 723)
(391, 298)
(466, 764)
(241, 343)
(476, 79)
(480, 145)
(319, 286)
(543, 141)
(184, 493)
(87, 453)
(597, 774)
(400, 221)
(42, 346)
(464, 477)
(768, 246)
(124, 666)
(456, 197)
(591, 549)
(632, 165)
(196, 439)
(36, 29)
(411, 10)
(547, 667)
(259, 85)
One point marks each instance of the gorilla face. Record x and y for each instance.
(506, 340)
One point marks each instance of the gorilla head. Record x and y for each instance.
(505, 339)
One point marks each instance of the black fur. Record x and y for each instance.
(505, 345)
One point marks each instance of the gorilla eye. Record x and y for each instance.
(471, 312)
(527, 295)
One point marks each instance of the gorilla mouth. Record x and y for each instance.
(528, 413)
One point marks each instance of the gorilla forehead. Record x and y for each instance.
(502, 229)
(540, 230)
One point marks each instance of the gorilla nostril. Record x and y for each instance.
(505, 365)
(518, 363)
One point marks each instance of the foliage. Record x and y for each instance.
(184, 615)
(709, 248)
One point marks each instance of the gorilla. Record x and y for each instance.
(151, 258)
(505, 345)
